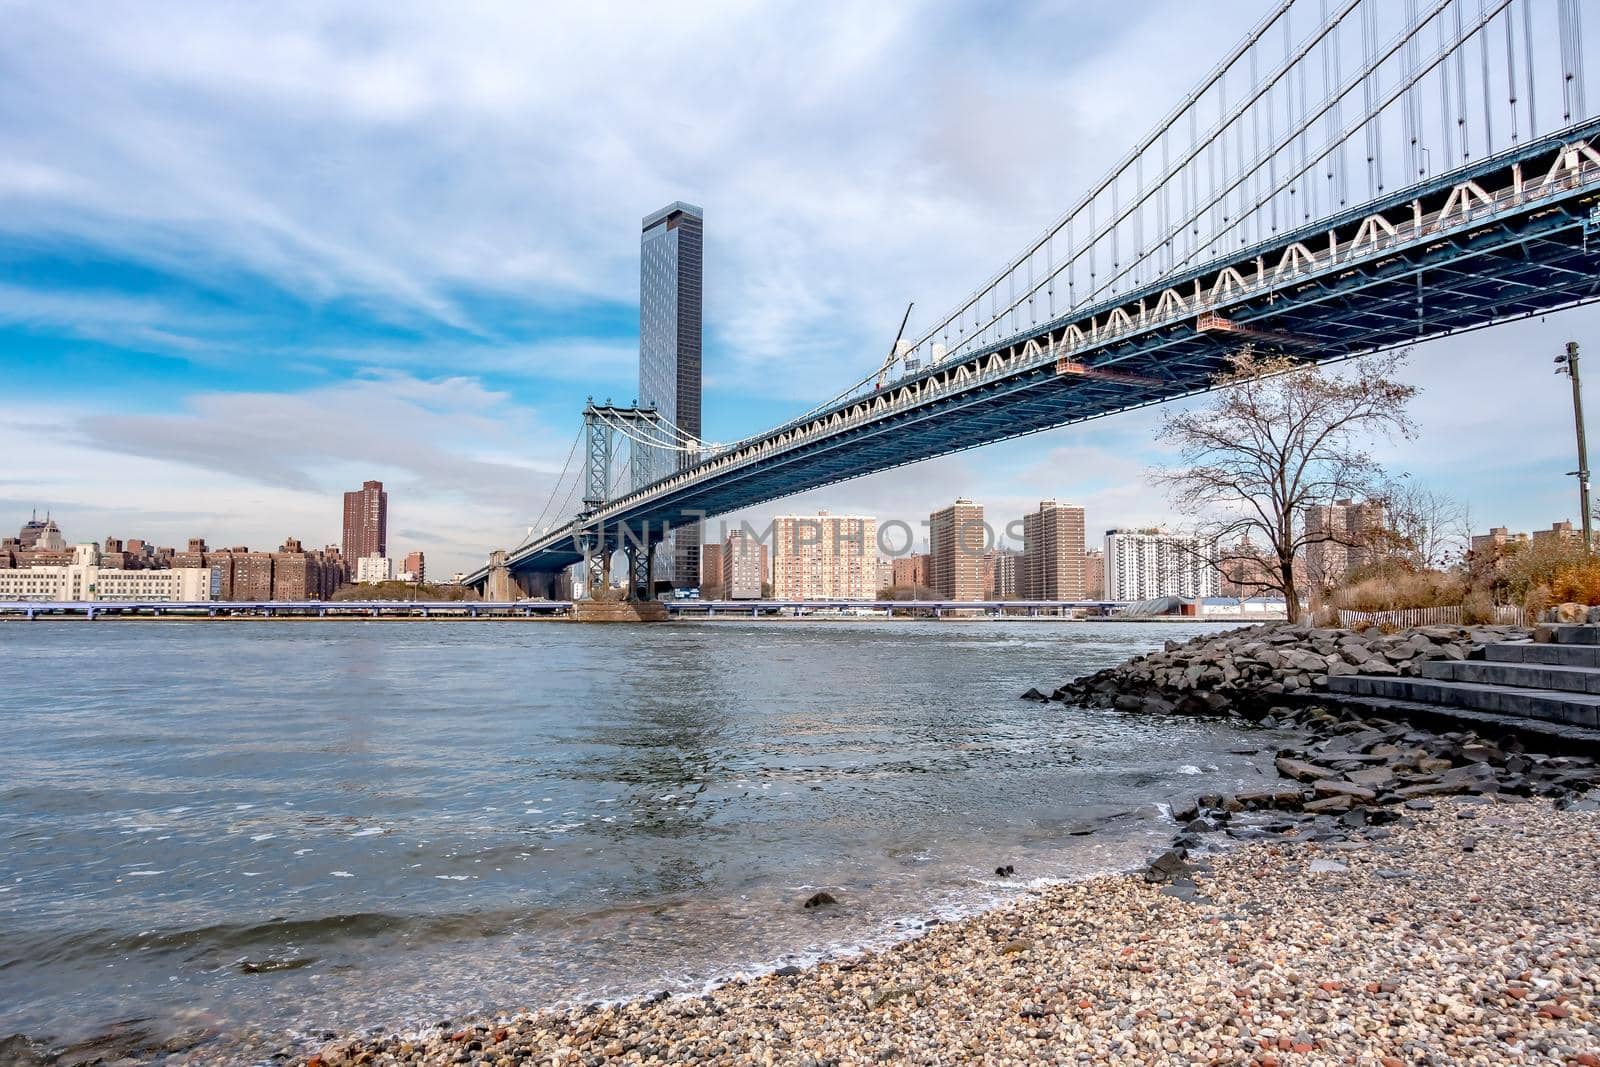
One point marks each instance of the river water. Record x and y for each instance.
(281, 828)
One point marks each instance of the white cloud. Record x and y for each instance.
(462, 464)
(420, 163)
(849, 158)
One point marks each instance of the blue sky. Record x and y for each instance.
(252, 256)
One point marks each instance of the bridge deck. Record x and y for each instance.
(1504, 238)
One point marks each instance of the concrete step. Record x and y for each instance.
(1577, 634)
(1532, 652)
(1554, 737)
(1518, 675)
(1574, 709)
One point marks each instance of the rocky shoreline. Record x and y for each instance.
(1241, 672)
(1459, 934)
(1401, 896)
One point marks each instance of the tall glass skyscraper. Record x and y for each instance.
(669, 352)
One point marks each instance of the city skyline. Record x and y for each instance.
(214, 352)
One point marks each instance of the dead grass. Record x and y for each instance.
(1424, 589)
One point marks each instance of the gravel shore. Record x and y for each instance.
(1466, 932)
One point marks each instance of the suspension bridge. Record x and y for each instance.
(1354, 176)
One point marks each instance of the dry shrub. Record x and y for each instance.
(1423, 589)
(1534, 603)
(1525, 567)
(1477, 608)
(1579, 583)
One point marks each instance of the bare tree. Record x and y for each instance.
(1279, 437)
(1424, 529)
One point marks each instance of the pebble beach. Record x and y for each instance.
(1465, 932)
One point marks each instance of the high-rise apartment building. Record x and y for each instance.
(1151, 563)
(824, 557)
(1052, 553)
(366, 522)
(1559, 531)
(956, 536)
(1340, 537)
(743, 563)
(670, 265)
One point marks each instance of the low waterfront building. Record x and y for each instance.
(84, 579)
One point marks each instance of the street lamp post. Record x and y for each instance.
(1567, 363)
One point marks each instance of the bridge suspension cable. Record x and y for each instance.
(1235, 163)
(535, 530)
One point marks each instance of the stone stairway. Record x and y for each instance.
(1555, 679)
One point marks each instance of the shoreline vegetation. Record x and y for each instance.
(1402, 895)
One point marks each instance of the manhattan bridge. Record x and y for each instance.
(1355, 175)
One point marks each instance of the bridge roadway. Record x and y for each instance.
(1513, 235)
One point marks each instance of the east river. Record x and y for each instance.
(281, 828)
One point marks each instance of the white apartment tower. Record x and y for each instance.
(1150, 563)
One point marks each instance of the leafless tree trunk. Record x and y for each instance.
(1277, 438)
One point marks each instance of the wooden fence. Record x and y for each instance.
(1405, 618)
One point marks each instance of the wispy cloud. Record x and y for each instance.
(412, 235)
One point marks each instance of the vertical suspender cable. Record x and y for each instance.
(1447, 130)
(1578, 94)
(1563, 37)
(1461, 85)
(1527, 45)
(1329, 52)
(1483, 67)
(1368, 46)
(1408, 108)
(1570, 29)
(1306, 184)
(1511, 72)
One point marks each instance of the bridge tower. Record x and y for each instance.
(643, 427)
